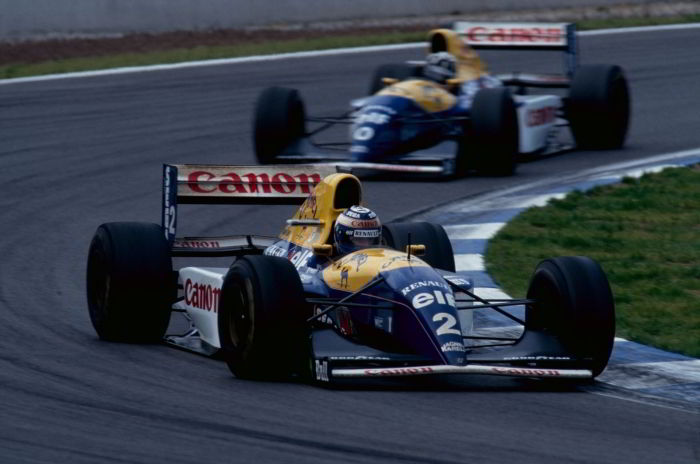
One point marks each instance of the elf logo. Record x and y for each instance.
(421, 300)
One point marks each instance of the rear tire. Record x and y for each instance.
(399, 71)
(573, 302)
(438, 249)
(599, 107)
(492, 144)
(280, 120)
(130, 282)
(262, 323)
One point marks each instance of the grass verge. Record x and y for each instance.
(20, 69)
(646, 235)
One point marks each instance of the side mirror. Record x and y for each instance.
(322, 249)
(415, 250)
(389, 80)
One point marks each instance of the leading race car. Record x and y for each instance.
(448, 115)
(304, 304)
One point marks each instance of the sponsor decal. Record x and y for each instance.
(301, 258)
(324, 319)
(394, 259)
(525, 371)
(344, 276)
(322, 371)
(541, 116)
(452, 346)
(345, 321)
(372, 118)
(363, 133)
(424, 299)
(363, 233)
(457, 280)
(197, 244)
(537, 358)
(202, 296)
(274, 250)
(360, 259)
(382, 108)
(310, 206)
(398, 371)
(364, 223)
(517, 34)
(359, 358)
(169, 211)
(423, 283)
(204, 182)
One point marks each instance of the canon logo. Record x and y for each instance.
(202, 296)
(541, 116)
(515, 34)
(399, 371)
(281, 183)
(196, 244)
(526, 372)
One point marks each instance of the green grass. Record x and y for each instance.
(205, 53)
(646, 235)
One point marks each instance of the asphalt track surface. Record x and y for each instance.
(75, 153)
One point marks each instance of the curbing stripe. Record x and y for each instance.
(469, 262)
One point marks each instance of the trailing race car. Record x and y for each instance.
(448, 115)
(302, 304)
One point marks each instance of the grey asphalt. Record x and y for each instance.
(76, 153)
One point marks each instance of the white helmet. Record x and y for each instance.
(440, 66)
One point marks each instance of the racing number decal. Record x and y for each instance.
(171, 222)
(446, 327)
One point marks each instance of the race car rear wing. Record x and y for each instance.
(522, 36)
(216, 184)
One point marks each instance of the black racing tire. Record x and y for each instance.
(599, 107)
(573, 302)
(262, 319)
(491, 145)
(438, 248)
(130, 282)
(400, 71)
(280, 120)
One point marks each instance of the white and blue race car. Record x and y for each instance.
(417, 120)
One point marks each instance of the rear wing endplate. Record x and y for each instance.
(522, 36)
(217, 184)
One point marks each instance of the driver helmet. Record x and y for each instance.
(357, 228)
(440, 66)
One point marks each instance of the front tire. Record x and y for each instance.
(599, 107)
(280, 120)
(573, 302)
(491, 145)
(438, 248)
(262, 324)
(130, 282)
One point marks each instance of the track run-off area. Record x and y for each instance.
(80, 150)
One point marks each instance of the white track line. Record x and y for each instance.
(308, 54)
